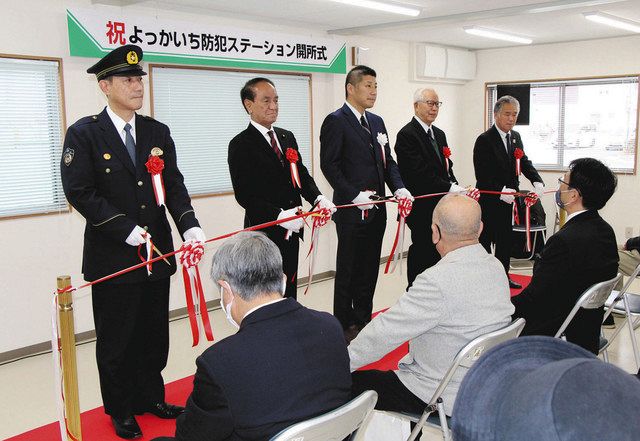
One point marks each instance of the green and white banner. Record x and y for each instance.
(93, 33)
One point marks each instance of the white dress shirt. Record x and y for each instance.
(265, 132)
(120, 123)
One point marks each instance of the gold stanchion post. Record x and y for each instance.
(69, 364)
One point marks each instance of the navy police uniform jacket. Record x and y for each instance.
(101, 182)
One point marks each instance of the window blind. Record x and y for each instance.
(203, 110)
(30, 137)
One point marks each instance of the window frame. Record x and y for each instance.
(265, 73)
(63, 127)
(600, 78)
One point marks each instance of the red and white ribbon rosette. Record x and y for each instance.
(155, 165)
(292, 157)
(383, 140)
(529, 200)
(446, 152)
(518, 153)
(149, 248)
(320, 219)
(192, 252)
(404, 209)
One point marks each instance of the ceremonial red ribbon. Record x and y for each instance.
(292, 157)
(518, 153)
(446, 152)
(148, 261)
(155, 165)
(529, 200)
(320, 219)
(192, 253)
(404, 209)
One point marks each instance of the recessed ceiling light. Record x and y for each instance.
(612, 20)
(379, 6)
(496, 35)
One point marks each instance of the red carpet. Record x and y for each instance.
(96, 426)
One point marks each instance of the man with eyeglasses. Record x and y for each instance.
(581, 254)
(495, 161)
(423, 158)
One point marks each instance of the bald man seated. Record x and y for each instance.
(461, 297)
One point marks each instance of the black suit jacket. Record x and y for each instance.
(261, 184)
(582, 253)
(422, 170)
(352, 162)
(494, 168)
(286, 364)
(113, 196)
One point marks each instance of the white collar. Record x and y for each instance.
(119, 123)
(502, 134)
(425, 126)
(262, 129)
(260, 306)
(356, 113)
(572, 215)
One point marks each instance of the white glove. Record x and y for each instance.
(324, 202)
(403, 193)
(137, 236)
(195, 233)
(455, 188)
(507, 198)
(539, 186)
(363, 197)
(293, 225)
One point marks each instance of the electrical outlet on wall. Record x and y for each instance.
(628, 232)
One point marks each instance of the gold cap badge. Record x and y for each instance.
(132, 57)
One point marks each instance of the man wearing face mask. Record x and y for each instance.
(582, 253)
(462, 296)
(286, 363)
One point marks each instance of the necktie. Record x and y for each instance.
(130, 143)
(434, 144)
(509, 146)
(274, 146)
(364, 124)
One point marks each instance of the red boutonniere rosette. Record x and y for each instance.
(292, 157)
(155, 165)
(446, 152)
(518, 153)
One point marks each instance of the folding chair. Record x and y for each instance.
(535, 229)
(593, 298)
(345, 421)
(468, 355)
(630, 307)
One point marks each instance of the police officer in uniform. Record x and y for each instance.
(106, 180)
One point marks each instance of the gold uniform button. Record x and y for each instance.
(139, 183)
(107, 170)
(143, 206)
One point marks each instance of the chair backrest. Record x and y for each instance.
(335, 425)
(473, 350)
(594, 297)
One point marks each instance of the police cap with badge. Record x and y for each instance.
(123, 61)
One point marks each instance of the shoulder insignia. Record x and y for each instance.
(67, 156)
(87, 120)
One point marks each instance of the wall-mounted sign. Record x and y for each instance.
(93, 33)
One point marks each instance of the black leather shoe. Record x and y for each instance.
(514, 285)
(163, 410)
(127, 427)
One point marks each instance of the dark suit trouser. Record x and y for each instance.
(393, 396)
(357, 266)
(422, 252)
(132, 330)
(289, 251)
(496, 218)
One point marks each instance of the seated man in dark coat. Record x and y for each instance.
(581, 254)
(286, 363)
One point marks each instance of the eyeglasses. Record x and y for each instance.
(560, 181)
(436, 104)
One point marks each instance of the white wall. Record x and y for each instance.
(613, 56)
(39, 248)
